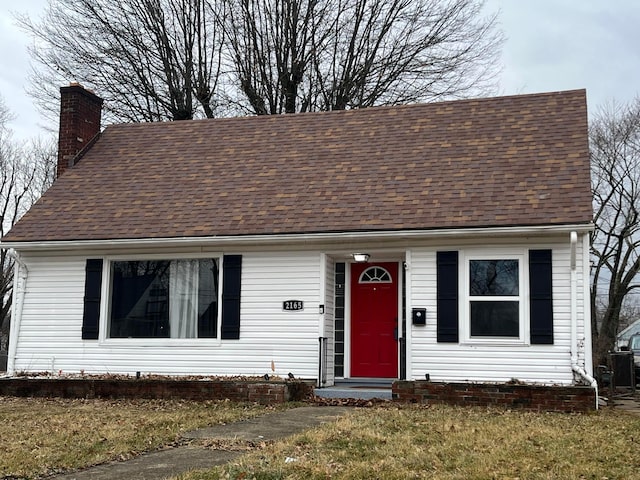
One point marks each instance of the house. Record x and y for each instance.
(447, 240)
(622, 339)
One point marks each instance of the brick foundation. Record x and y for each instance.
(514, 396)
(242, 391)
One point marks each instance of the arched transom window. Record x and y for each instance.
(375, 275)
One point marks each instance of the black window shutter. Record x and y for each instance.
(541, 298)
(447, 296)
(92, 290)
(231, 280)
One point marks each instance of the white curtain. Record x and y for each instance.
(183, 298)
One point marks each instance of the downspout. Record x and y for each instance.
(19, 289)
(579, 370)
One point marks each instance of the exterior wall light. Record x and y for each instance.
(361, 257)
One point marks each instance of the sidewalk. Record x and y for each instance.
(629, 402)
(173, 461)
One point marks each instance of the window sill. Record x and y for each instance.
(494, 342)
(160, 342)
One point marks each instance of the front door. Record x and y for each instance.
(374, 320)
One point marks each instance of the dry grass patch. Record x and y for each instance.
(449, 443)
(42, 436)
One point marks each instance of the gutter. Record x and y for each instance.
(19, 289)
(295, 238)
(575, 367)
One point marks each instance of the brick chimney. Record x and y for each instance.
(80, 112)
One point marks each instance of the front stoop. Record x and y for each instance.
(357, 389)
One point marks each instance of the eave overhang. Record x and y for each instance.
(301, 239)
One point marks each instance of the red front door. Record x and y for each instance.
(374, 320)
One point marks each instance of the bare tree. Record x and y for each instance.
(151, 60)
(172, 59)
(615, 160)
(26, 171)
(306, 55)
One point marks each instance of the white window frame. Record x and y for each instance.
(105, 303)
(466, 298)
(362, 280)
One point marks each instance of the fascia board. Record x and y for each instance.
(296, 239)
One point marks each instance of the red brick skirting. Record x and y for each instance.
(516, 396)
(264, 392)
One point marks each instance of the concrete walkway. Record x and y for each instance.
(173, 461)
(629, 402)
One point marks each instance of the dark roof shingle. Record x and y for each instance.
(519, 160)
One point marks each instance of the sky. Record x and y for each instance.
(550, 45)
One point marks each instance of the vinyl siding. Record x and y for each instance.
(52, 315)
(50, 332)
(328, 320)
(549, 364)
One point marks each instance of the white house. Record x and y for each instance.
(448, 239)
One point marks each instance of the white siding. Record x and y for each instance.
(329, 305)
(50, 332)
(549, 364)
(51, 316)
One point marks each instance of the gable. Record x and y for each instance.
(509, 161)
(633, 329)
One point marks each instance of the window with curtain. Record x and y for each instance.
(164, 298)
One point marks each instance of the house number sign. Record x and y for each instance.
(292, 305)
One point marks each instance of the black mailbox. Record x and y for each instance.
(419, 316)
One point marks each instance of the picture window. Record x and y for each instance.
(164, 298)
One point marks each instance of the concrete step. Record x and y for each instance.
(362, 390)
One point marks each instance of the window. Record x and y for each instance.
(164, 299)
(375, 275)
(495, 298)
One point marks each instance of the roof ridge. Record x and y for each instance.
(372, 110)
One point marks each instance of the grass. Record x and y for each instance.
(43, 436)
(39, 437)
(447, 443)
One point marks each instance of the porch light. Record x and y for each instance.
(361, 257)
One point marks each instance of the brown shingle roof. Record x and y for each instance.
(519, 160)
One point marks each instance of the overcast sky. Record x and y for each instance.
(551, 45)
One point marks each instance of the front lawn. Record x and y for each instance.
(42, 436)
(440, 442)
